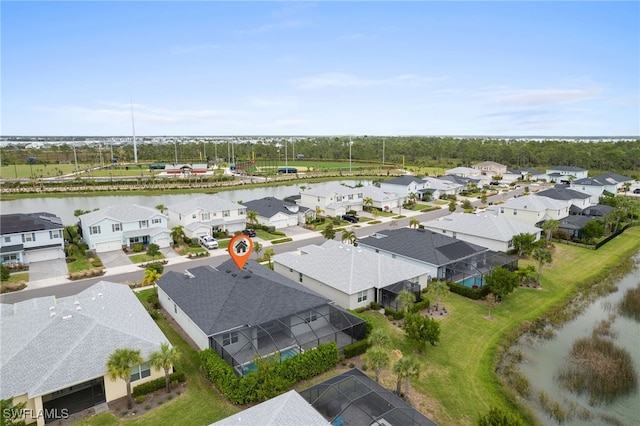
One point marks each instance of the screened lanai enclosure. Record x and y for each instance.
(470, 272)
(352, 398)
(388, 295)
(288, 336)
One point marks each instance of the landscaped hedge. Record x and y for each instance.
(471, 293)
(276, 378)
(418, 306)
(159, 383)
(281, 240)
(355, 349)
(396, 315)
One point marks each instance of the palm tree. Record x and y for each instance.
(349, 236)
(164, 359)
(438, 289)
(177, 234)
(119, 367)
(378, 338)
(377, 359)
(405, 368)
(367, 202)
(550, 226)
(413, 222)
(268, 254)
(252, 217)
(405, 299)
(161, 208)
(151, 277)
(413, 197)
(542, 255)
(328, 232)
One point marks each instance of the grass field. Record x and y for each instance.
(25, 171)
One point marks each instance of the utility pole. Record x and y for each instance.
(286, 157)
(350, 143)
(383, 140)
(175, 145)
(135, 146)
(75, 157)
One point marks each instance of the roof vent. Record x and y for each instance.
(246, 276)
(234, 275)
(67, 317)
(188, 274)
(78, 308)
(51, 308)
(77, 302)
(228, 271)
(100, 295)
(52, 314)
(421, 230)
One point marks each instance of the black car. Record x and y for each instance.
(249, 232)
(351, 218)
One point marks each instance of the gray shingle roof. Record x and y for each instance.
(49, 344)
(226, 297)
(482, 225)
(565, 194)
(270, 206)
(120, 213)
(423, 245)
(288, 409)
(347, 268)
(209, 203)
(567, 169)
(27, 222)
(404, 180)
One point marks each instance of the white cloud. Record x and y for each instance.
(337, 79)
(531, 97)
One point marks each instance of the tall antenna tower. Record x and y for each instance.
(133, 127)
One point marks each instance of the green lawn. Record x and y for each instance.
(457, 379)
(266, 236)
(144, 257)
(199, 405)
(18, 277)
(26, 171)
(82, 264)
(321, 226)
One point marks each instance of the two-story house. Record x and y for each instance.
(332, 198)
(566, 174)
(579, 199)
(403, 185)
(279, 214)
(598, 185)
(207, 214)
(113, 227)
(381, 199)
(490, 168)
(30, 237)
(533, 210)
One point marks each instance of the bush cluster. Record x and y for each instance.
(137, 248)
(159, 383)
(86, 274)
(355, 349)
(270, 378)
(281, 240)
(418, 306)
(471, 293)
(393, 314)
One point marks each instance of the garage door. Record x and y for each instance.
(279, 223)
(108, 246)
(163, 242)
(45, 254)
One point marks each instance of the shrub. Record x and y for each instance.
(5, 274)
(375, 306)
(147, 407)
(153, 249)
(417, 307)
(138, 247)
(96, 263)
(271, 229)
(281, 240)
(471, 293)
(159, 383)
(154, 314)
(356, 348)
(140, 399)
(156, 266)
(396, 315)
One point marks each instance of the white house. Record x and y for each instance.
(465, 172)
(113, 227)
(566, 174)
(403, 185)
(533, 210)
(348, 275)
(386, 201)
(332, 198)
(596, 186)
(486, 230)
(278, 213)
(54, 351)
(578, 198)
(436, 188)
(30, 237)
(207, 214)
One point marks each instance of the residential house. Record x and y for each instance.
(599, 210)
(54, 351)
(611, 183)
(278, 213)
(350, 276)
(486, 230)
(30, 237)
(572, 225)
(490, 168)
(382, 200)
(404, 186)
(465, 182)
(253, 312)
(207, 214)
(444, 257)
(466, 172)
(533, 210)
(565, 174)
(113, 227)
(332, 198)
(530, 174)
(579, 199)
(438, 188)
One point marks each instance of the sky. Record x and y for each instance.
(320, 68)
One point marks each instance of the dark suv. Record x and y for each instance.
(351, 218)
(249, 232)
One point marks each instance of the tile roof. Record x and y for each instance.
(222, 298)
(482, 225)
(288, 409)
(48, 344)
(347, 268)
(423, 245)
(270, 206)
(121, 213)
(210, 203)
(26, 222)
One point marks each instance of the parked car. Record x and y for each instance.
(208, 242)
(351, 218)
(636, 191)
(249, 232)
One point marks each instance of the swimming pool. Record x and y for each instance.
(477, 280)
(286, 354)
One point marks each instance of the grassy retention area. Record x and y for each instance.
(199, 405)
(457, 382)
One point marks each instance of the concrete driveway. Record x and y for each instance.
(111, 259)
(47, 269)
(291, 231)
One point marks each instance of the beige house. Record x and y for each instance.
(533, 210)
(490, 168)
(53, 352)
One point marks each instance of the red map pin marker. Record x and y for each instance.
(240, 248)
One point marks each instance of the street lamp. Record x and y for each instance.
(350, 143)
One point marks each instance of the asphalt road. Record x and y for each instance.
(75, 287)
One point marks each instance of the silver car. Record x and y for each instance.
(208, 241)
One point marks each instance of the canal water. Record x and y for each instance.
(544, 357)
(64, 207)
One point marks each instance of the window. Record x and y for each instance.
(225, 213)
(116, 227)
(175, 308)
(140, 372)
(144, 223)
(241, 212)
(515, 212)
(193, 216)
(55, 234)
(309, 316)
(290, 270)
(156, 220)
(229, 338)
(94, 230)
(28, 237)
(510, 243)
(351, 196)
(10, 258)
(300, 276)
(206, 216)
(359, 195)
(362, 296)
(339, 198)
(7, 239)
(501, 209)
